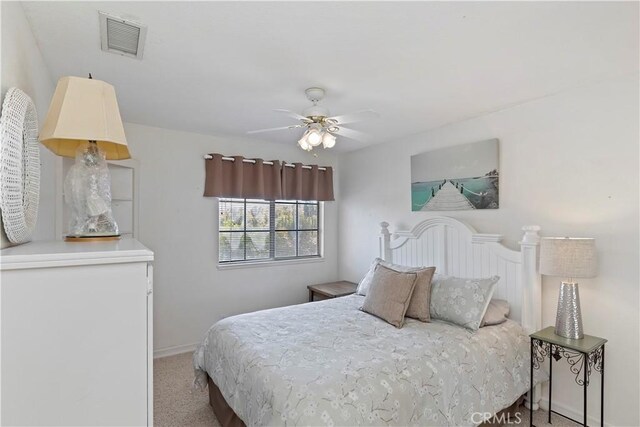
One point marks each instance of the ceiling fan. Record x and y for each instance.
(321, 128)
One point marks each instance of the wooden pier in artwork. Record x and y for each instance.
(448, 198)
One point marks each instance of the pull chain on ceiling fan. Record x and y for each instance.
(320, 128)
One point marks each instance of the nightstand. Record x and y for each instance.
(331, 290)
(545, 343)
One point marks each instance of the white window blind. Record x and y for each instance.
(261, 230)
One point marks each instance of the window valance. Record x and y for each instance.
(237, 177)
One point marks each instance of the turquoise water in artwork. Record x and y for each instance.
(421, 193)
(481, 191)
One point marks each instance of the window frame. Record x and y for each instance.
(272, 230)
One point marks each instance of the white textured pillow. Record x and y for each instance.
(461, 301)
(365, 283)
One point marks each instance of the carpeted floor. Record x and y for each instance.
(177, 405)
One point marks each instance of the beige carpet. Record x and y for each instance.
(174, 401)
(176, 404)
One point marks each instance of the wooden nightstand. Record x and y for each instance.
(331, 290)
(582, 354)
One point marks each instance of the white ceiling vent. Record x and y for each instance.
(122, 36)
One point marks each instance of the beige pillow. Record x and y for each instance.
(389, 295)
(497, 312)
(365, 283)
(420, 300)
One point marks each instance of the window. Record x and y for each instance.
(259, 230)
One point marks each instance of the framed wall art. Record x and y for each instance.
(463, 177)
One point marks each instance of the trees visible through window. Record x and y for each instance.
(256, 230)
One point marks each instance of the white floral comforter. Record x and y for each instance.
(328, 363)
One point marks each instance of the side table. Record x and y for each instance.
(583, 355)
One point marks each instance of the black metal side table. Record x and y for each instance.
(583, 355)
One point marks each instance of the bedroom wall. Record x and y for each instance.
(179, 225)
(23, 67)
(569, 163)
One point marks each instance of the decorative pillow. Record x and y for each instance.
(365, 283)
(389, 295)
(461, 301)
(497, 313)
(419, 304)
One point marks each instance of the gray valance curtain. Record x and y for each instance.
(272, 180)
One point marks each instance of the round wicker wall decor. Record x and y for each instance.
(19, 166)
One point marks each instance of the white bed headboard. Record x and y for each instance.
(456, 249)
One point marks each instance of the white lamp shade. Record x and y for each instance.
(328, 140)
(84, 110)
(568, 257)
(314, 137)
(303, 143)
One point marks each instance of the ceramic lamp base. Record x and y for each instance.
(568, 316)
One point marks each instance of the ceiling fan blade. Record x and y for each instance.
(294, 115)
(280, 128)
(356, 116)
(351, 134)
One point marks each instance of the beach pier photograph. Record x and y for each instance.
(463, 177)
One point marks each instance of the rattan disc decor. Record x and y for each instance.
(19, 166)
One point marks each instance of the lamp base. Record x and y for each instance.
(91, 238)
(568, 316)
(87, 192)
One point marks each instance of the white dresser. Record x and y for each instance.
(76, 345)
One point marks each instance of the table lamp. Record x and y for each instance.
(83, 122)
(569, 258)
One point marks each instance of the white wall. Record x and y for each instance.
(568, 163)
(180, 225)
(23, 67)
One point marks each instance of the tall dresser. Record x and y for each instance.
(76, 345)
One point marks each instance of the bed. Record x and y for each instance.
(328, 363)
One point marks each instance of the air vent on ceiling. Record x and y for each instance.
(122, 36)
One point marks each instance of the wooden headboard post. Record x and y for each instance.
(456, 249)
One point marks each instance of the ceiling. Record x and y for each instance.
(222, 67)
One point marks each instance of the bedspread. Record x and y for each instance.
(328, 363)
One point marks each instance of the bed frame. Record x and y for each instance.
(456, 249)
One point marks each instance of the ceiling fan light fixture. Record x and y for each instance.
(328, 140)
(319, 126)
(314, 136)
(304, 144)
(316, 111)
